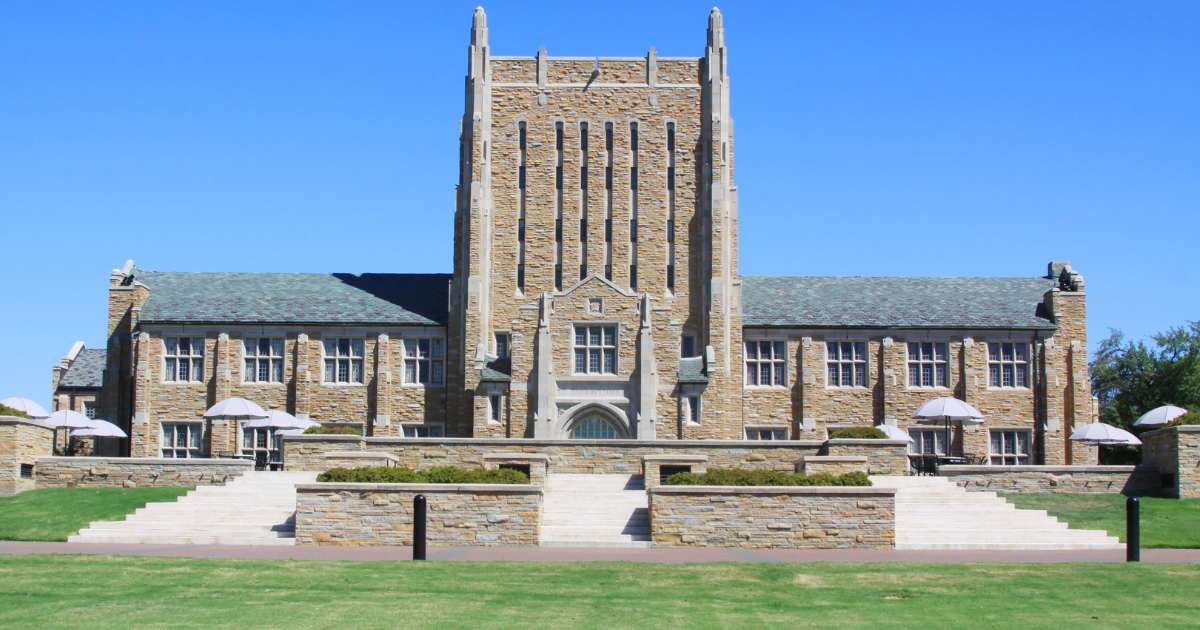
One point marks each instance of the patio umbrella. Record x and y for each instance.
(1159, 416)
(947, 410)
(102, 429)
(30, 408)
(67, 419)
(1098, 433)
(894, 433)
(235, 408)
(279, 419)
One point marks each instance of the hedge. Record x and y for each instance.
(9, 411)
(1190, 417)
(743, 477)
(439, 474)
(858, 433)
(333, 429)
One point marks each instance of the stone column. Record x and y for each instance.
(647, 375)
(547, 412)
(383, 384)
(144, 436)
(301, 382)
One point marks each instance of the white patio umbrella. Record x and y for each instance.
(1098, 433)
(894, 432)
(279, 419)
(28, 407)
(235, 408)
(67, 419)
(947, 410)
(102, 429)
(1159, 415)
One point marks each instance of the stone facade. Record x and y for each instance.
(129, 472)
(382, 514)
(884, 457)
(832, 464)
(773, 517)
(21, 444)
(653, 466)
(1175, 453)
(1128, 480)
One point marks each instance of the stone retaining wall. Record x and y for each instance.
(22, 442)
(1175, 453)
(773, 517)
(884, 457)
(1130, 480)
(381, 514)
(305, 452)
(833, 464)
(131, 472)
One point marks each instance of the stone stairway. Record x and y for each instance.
(257, 508)
(595, 511)
(934, 513)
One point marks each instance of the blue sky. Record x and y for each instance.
(873, 138)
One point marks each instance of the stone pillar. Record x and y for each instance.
(144, 435)
(302, 381)
(892, 358)
(1054, 443)
(223, 372)
(647, 375)
(808, 372)
(383, 384)
(547, 411)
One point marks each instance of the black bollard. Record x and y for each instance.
(419, 527)
(1133, 530)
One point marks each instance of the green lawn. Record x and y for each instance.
(55, 513)
(107, 592)
(1165, 522)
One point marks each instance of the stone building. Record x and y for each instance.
(595, 294)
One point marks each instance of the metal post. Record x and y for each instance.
(419, 527)
(1133, 530)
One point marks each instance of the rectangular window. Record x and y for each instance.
(1009, 448)
(495, 408)
(766, 362)
(183, 359)
(692, 409)
(846, 363)
(89, 408)
(1008, 364)
(424, 361)
(522, 141)
(263, 444)
(263, 360)
(687, 346)
(503, 343)
(766, 433)
(927, 365)
(424, 430)
(182, 440)
(343, 360)
(927, 441)
(595, 349)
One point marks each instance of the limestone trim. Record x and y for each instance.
(778, 490)
(194, 461)
(493, 488)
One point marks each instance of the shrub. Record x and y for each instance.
(1190, 417)
(742, 477)
(334, 429)
(858, 433)
(439, 474)
(9, 411)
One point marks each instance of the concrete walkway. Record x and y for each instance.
(573, 554)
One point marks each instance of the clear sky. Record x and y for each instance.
(873, 138)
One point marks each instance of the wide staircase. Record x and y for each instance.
(257, 508)
(595, 511)
(934, 513)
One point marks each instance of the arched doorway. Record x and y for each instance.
(593, 425)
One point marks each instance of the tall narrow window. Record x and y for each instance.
(558, 204)
(523, 141)
(343, 360)
(583, 199)
(671, 206)
(424, 361)
(183, 359)
(1008, 365)
(633, 205)
(503, 344)
(608, 200)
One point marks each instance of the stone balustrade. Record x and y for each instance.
(130, 472)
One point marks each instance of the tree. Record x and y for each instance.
(1131, 378)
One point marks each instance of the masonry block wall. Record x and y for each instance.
(21, 444)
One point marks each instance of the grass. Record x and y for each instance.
(55, 513)
(109, 592)
(1165, 522)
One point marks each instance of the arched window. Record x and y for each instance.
(594, 427)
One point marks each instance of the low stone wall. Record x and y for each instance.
(652, 466)
(22, 442)
(382, 514)
(305, 452)
(134, 472)
(884, 457)
(359, 459)
(833, 464)
(1129, 480)
(773, 517)
(536, 464)
(1175, 453)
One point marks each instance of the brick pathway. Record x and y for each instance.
(543, 554)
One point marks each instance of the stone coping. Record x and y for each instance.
(866, 442)
(530, 457)
(685, 458)
(627, 443)
(360, 455)
(501, 488)
(29, 421)
(1183, 428)
(157, 461)
(1035, 469)
(835, 458)
(796, 490)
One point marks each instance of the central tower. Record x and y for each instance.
(595, 287)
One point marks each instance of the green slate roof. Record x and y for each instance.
(492, 375)
(860, 302)
(87, 370)
(295, 298)
(691, 370)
